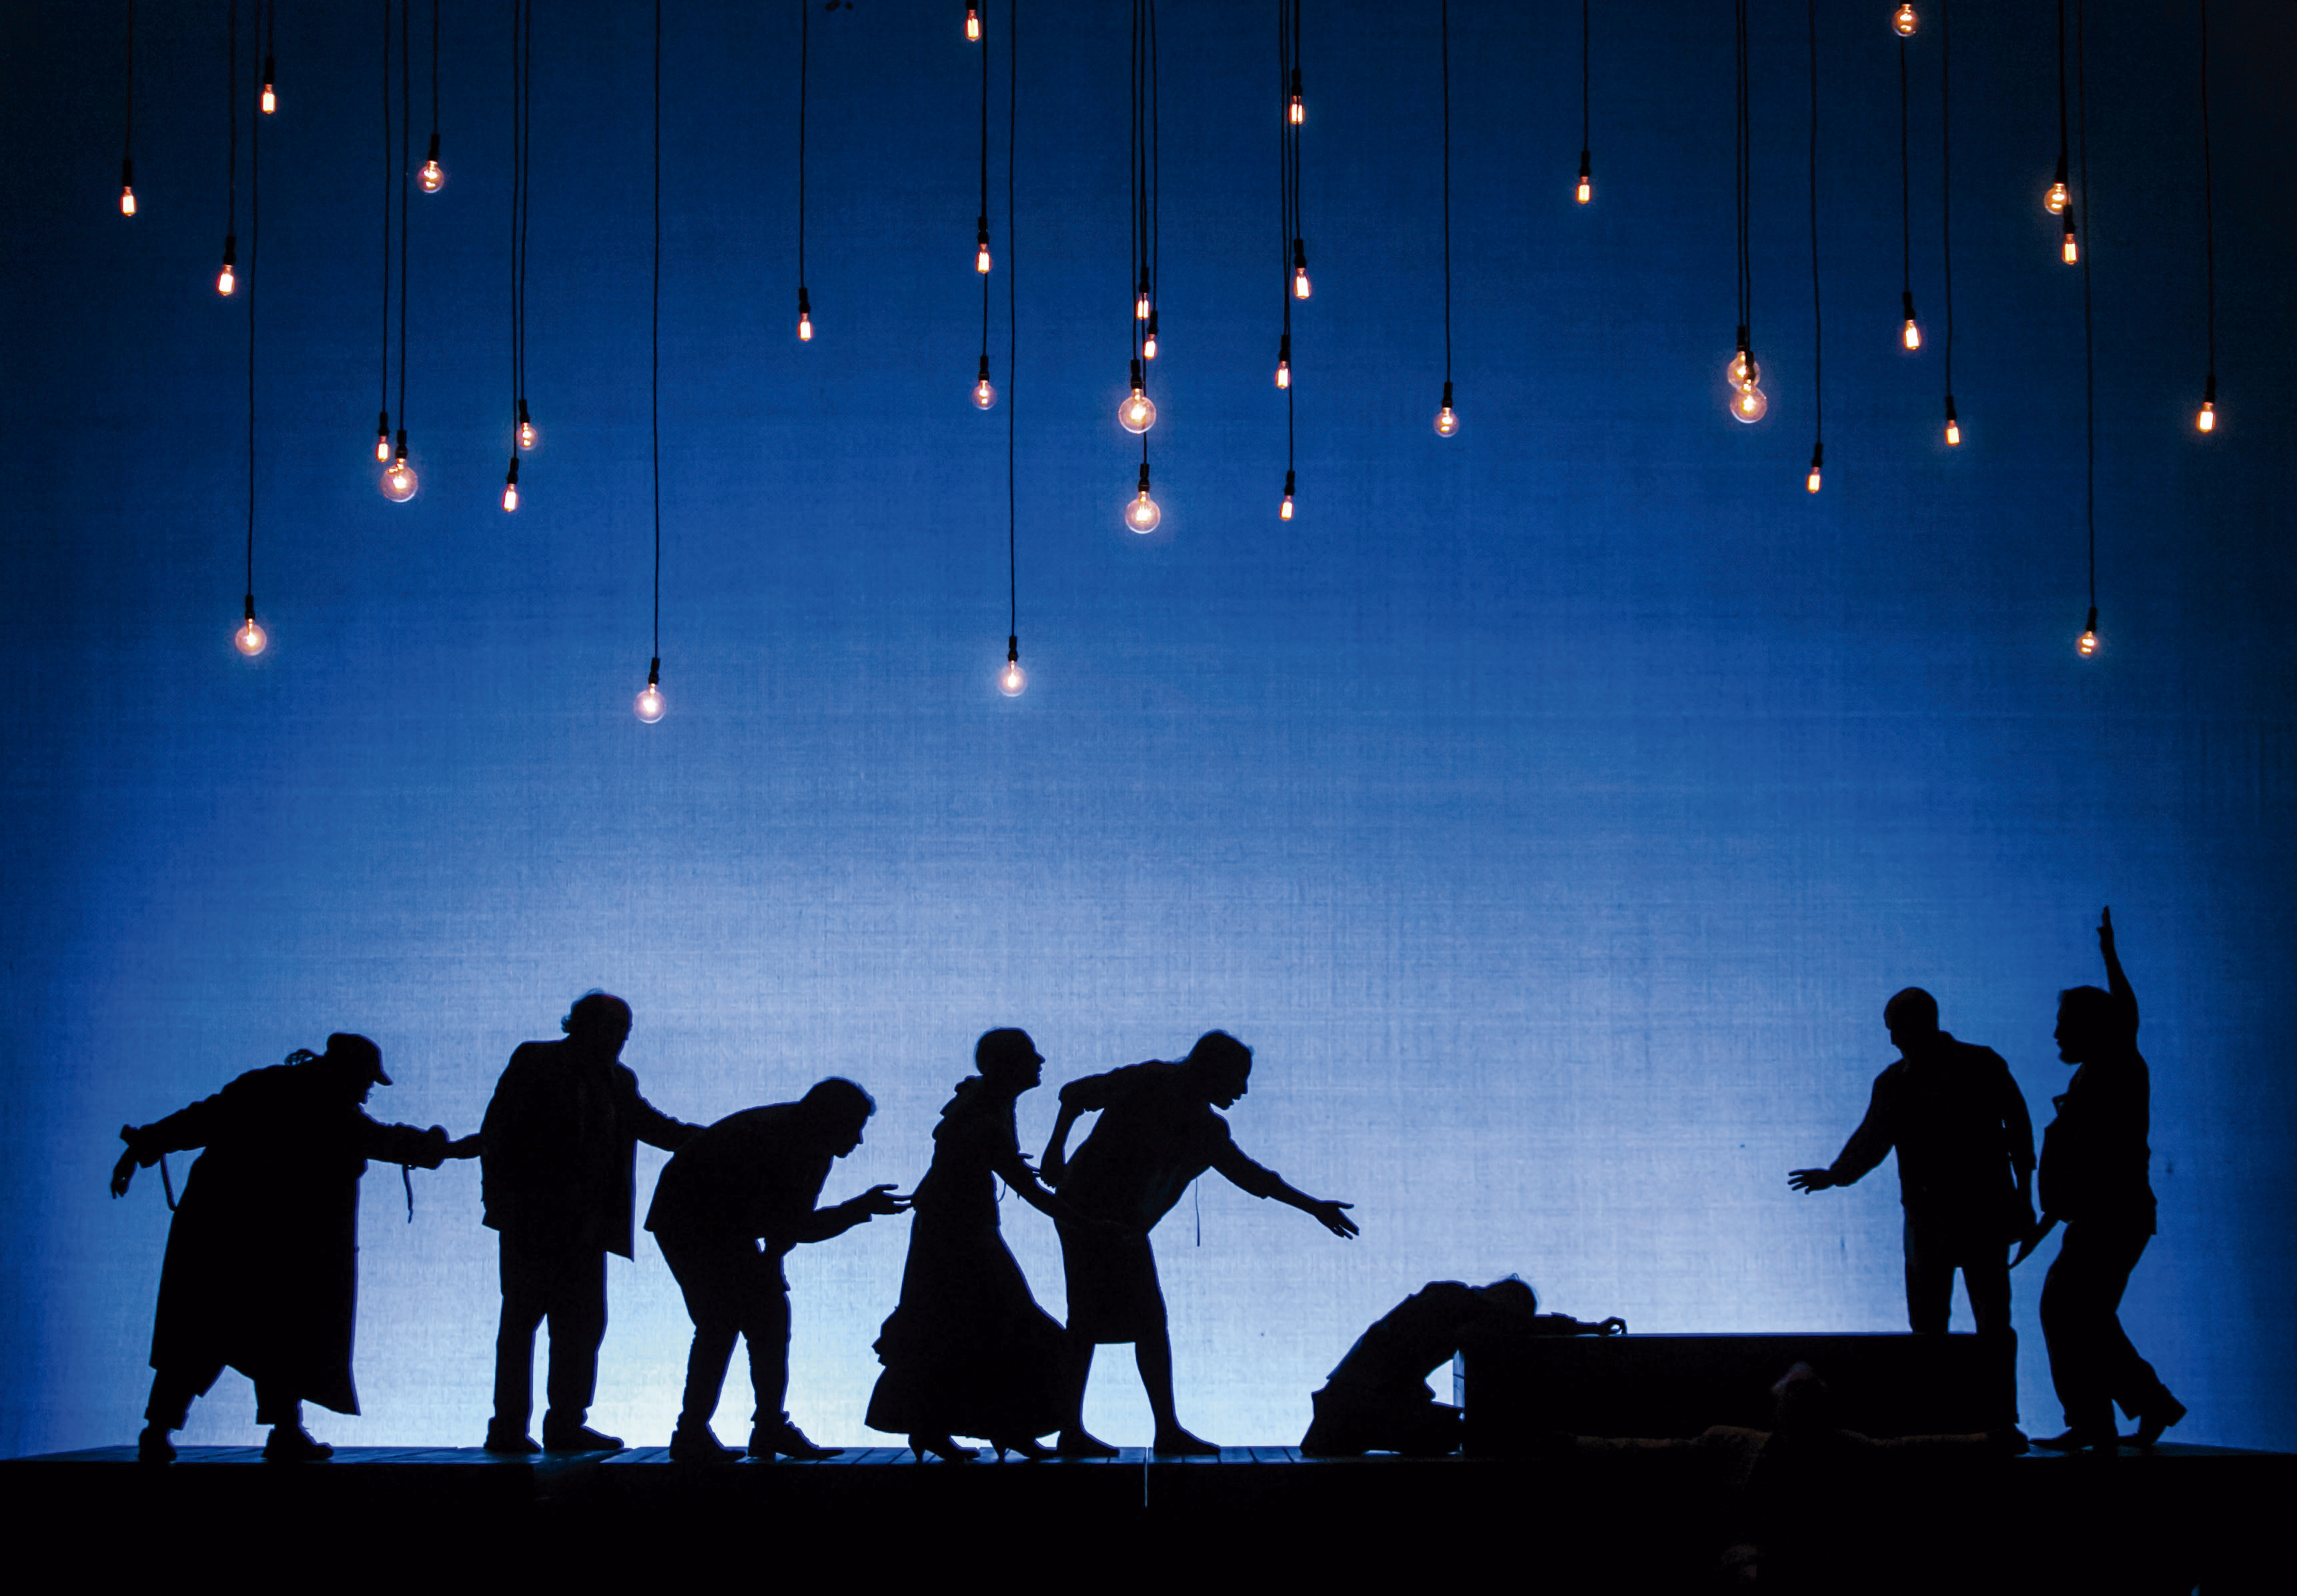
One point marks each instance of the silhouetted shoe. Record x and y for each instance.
(699, 1446)
(581, 1438)
(1180, 1443)
(512, 1444)
(941, 1446)
(790, 1442)
(292, 1444)
(2104, 1441)
(152, 1446)
(1078, 1444)
(2155, 1421)
(1024, 1447)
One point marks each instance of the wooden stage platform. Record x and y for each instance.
(2177, 1518)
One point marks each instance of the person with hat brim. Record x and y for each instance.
(261, 1272)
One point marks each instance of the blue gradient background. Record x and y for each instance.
(1554, 808)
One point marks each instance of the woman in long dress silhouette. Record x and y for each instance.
(968, 1352)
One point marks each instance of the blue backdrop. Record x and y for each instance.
(1553, 808)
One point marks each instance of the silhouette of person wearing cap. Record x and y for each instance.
(1966, 1146)
(754, 1177)
(262, 1267)
(1158, 1132)
(560, 1185)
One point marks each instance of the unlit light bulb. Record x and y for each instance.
(1012, 680)
(250, 639)
(650, 702)
(1447, 420)
(1138, 413)
(2087, 644)
(985, 393)
(1903, 21)
(1142, 514)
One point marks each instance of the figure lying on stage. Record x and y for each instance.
(1377, 1399)
(262, 1267)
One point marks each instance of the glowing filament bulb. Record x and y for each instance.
(227, 279)
(1586, 190)
(1743, 368)
(2055, 201)
(529, 435)
(1012, 680)
(1284, 361)
(804, 317)
(1299, 270)
(1296, 109)
(2207, 421)
(973, 26)
(250, 639)
(432, 177)
(399, 481)
(1903, 23)
(128, 188)
(2087, 644)
(1913, 335)
(1142, 514)
(1953, 423)
(510, 486)
(270, 101)
(1284, 510)
(650, 704)
(382, 439)
(981, 246)
(1140, 302)
(1817, 458)
(985, 393)
(1138, 413)
(2070, 252)
(1149, 339)
(1748, 405)
(1447, 421)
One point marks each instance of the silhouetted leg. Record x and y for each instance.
(1986, 1277)
(1153, 1354)
(173, 1392)
(525, 1293)
(578, 1327)
(765, 1311)
(704, 1274)
(1930, 1276)
(2125, 1375)
(2077, 1301)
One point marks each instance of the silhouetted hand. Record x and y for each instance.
(879, 1201)
(2105, 931)
(1613, 1326)
(1049, 1175)
(123, 1173)
(1811, 1179)
(2034, 1238)
(466, 1146)
(1333, 1216)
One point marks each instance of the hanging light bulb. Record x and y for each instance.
(1953, 423)
(1142, 514)
(1284, 510)
(1817, 458)
(2056, 200)
(804, 317)
(1586, 190)
(2069, 251)
(1149, 339)
(2207, 421)
(1140, 306)
(1299, 270)
(1138, 413)
(981, 245)
(1903, 21)
(270, 101)
(985, 394)
(225, 279)
(973, 24)
(510, 486)
(250, 639)
(128, 188)
(432, 177)
(1744, 374)
(1911, 337)
(398, 482)
(1749, 405)
(2087, 644)
(383, 438)
(530, 436)
(1284, 361)
(650, 704)
(1296, 109)
(1012, 680)
(1447, 421)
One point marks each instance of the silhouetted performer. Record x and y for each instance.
(754, 1176)
(560, 1182)
(968, 1352)
(262, 1266)
(1158, 1132)
(1965, 1165)
(2095, 1179)
(1377, 1399)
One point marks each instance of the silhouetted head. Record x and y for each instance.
(352, 1059)
(1006, 1058)
(1912, 1017)
(1805, 1403)
(598, 1023)
(837, 1109)
(2087, 1024)
(1222, 1065)
(1513, 1294)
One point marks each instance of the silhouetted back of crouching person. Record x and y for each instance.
(754, 1178)
(262, 1266)
(1377, 1399)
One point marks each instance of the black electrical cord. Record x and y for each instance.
(2061, 91)
(128, 141)
(434, 75)
(1012, 314)
(804, 50)
(383, 424)
(2208, 214)
(1946, 187)
(1444, 30)
(1586, 49)
(654, 398)
(517, 179)
(254, 244)
(1817, 322)
(2089, 346)
(1905, 189)
(525, 188)
(1746, 289)
(985, 207)
(406, 178)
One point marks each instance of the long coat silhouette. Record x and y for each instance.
(262, 1266)
(561, 1160)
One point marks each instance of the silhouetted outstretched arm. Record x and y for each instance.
(1014, 1170)
(656, 1129)
(2125, 1000)
(1868, 1146)
(1264, 1182)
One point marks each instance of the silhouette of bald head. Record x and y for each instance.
(1912, 1017)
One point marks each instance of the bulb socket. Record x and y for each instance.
(2210, 388)
(127, 172)
(1950, 415)
(1818, 455)
(805, 306)
(2091, 624)
(511, 481)
(1447, 393)
(270, 74)
(984, 369)
(251, 610)
(1013, 650)
(1586, 168)
(1136, 376)
(1144, 476)
(653, 671)
(1299, 256)
(1152, 323)
(1288, 484)
(1907, 300)
(231, 248)
(398, 455)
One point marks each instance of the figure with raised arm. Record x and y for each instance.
(262, 1267)
(754, 1178)
(560, 1186)
(968, 1352)
(1965, 1147)
(2095, 1179)
(1156, 1133)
